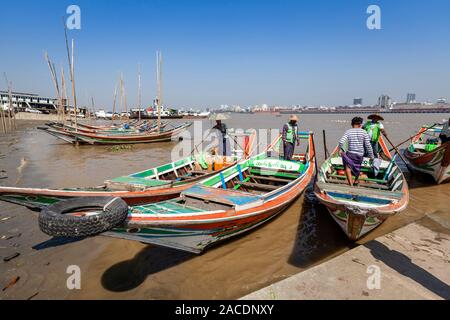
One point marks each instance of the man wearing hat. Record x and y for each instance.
(374, 128)
(224, 145)
(290, 137)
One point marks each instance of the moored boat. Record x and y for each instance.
(363, 207)
(227, 204)
(427, 154)
(72, 135)
(151, 185)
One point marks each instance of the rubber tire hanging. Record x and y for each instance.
(54, 220)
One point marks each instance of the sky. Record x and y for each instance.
(242, 52)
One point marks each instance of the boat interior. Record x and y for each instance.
(386, 183)
(427, 141)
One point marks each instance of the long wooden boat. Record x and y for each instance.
(151, 185)
(360, 209)
(139, 130)
(227, 204)
(73, 136)
(426, 154)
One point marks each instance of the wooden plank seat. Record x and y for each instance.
(226, 197)
(271, 179)
(337, 176)
(361, 184)
(258, 186)
(198, 172)
(359, 191)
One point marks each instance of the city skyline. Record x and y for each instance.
(235, 52)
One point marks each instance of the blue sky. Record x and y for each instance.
(234, 52)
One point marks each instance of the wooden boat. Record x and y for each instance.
(360, 209)
(139, 130)
(73, 136)
(108, 139)
(427, 154)
(151, 185)
(227, 204)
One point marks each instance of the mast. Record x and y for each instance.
(158, 81)
(139, 92)
(74, 97)
(64, 95)
(114, 103)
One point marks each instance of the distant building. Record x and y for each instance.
(357, 102)
(411, 98)
(21, 101)
(441, 101)
(384, 102)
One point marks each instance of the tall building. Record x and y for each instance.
(411, 98)
(357, 102)
(384, 102)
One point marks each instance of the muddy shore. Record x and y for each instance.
(302, 237)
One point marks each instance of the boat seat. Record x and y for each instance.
(258, 186)
(271, 179)
(359, 191)
(227, 197)
(337, 161)
(196, 172)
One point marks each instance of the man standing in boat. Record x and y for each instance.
(445, 132)
(353, 145)
(290, 137)
(224, 145)
(374, 128)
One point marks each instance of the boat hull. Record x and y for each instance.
(196, 231)
(358, 214)
(195, 237)
(436, 163)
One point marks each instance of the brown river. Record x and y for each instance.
(301, 237)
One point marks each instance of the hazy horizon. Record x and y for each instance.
(233, 52)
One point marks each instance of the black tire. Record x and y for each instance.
(54, 221)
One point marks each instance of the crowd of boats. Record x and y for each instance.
(191, 203)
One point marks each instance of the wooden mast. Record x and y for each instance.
(139, 92)
(71, 69)
(74, 96)
(159, 80)
(64, 94)
(51, 67)
(114, 103)
(10, 108)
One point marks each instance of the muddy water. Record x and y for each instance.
(304, 235)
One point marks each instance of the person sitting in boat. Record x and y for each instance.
(224, 145)
(374, 128)
(358, 143)
(445, 132)
(289, 135)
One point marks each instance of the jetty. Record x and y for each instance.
(409, 263)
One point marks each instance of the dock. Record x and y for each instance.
(409, 263)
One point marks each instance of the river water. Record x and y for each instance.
(303, 236)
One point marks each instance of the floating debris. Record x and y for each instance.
(5, 218)
(11, 283)
(12, 256)
(10, 236)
